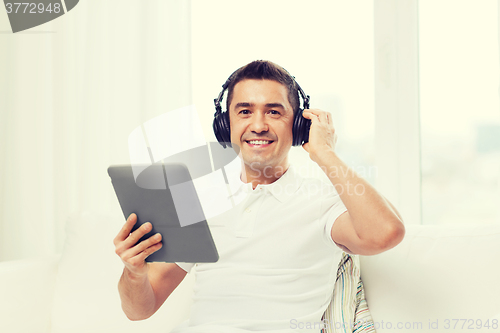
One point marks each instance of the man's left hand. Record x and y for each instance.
(322, 136)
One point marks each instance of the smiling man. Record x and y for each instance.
(280, 246)
(261, 119)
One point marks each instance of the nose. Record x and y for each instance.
(259, 123)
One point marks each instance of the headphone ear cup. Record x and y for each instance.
(226, 128)
(295, 127)
(217, 130)
(222, 130)
(300, 129)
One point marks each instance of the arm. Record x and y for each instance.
(371, 224)
(143, 295)
(143, 287)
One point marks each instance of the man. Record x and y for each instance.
(279, 248)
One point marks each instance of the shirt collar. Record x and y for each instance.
(282, 189)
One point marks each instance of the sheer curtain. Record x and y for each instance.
(71, 91)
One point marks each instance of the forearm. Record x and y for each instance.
(137, 296)
(373, 217)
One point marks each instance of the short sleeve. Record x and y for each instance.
(331, 208)
(187, 266)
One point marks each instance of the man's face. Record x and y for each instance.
(260, 110)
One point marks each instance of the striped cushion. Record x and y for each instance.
(348, 310)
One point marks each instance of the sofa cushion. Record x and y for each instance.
(436, 274)
(86, 295)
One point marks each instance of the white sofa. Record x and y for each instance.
(437, 274)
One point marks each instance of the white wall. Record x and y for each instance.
(71, 92)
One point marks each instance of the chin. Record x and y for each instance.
(257, 164)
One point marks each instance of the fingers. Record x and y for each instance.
(132, 253)
(316, 114)
(142, 250)
(125, 230)
(309, 115)
(147, 252)
(137, 264)
(130, 239)
(135, 236)
(126, 240)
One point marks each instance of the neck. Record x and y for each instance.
(262, 175)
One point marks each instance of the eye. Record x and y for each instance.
(244, 111)
(274, 112)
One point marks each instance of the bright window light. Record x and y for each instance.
(460, 114)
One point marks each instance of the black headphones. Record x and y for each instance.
(300, 129)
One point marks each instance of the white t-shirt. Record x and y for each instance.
(277, 262)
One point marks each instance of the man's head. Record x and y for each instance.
(265, 70)
(261, 120)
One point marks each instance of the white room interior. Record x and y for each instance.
(413, 88)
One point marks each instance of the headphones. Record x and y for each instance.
(300, 129)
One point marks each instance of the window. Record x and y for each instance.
(459, 111)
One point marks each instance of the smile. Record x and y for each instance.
(259, 143)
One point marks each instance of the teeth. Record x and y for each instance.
(259, 142)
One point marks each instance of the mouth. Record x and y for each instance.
(259, 143)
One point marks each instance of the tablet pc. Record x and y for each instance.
(164, 195)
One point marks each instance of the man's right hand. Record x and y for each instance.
(132, 255)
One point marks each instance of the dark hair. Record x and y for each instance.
(265, 70)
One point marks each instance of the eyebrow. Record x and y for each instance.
(268, 105)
